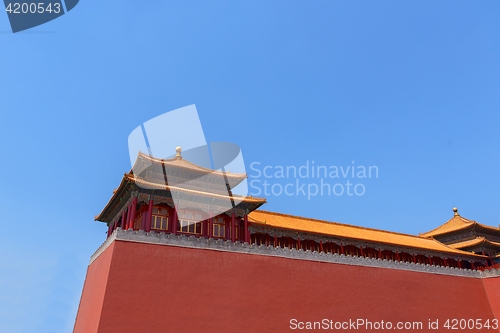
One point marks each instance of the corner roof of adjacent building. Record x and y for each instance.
(457, 223)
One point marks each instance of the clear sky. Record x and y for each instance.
(411, 87)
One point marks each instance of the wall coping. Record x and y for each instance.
(245, 248)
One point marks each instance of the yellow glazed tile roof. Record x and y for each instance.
(303, 224)
(456, 223)
(473, 242)
(130, 178)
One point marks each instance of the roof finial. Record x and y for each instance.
(455, 211)
(178, 151)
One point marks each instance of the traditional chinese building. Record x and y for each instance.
(185, 254)
(466, 235)
(183, 202)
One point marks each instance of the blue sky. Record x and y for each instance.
(410, 87)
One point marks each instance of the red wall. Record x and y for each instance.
(154, 288)
(492, 287)
(94, 288)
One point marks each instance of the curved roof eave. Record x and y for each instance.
(340, 230)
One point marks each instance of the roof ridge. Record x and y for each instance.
(342, 224)
(487, 226)
(467, 221)
(464, 219)
(173, 159)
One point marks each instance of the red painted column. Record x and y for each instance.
(397, 256)
(144, 222)
(210, 224)
(247, 232)
(275, 241)
(131, 216)
(204, 228)
(361, 250)
(149, 216)
(124, 218)
(341, 249)
(132, 213)
(241, 232)
(233, 227)
(298, 243)
(174, 221)
(170, 222)
(143, 219)
(129, 212)
(320, 246)
(127, 217)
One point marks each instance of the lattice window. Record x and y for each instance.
(190, 222)
(159, 220)
(219, 227)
